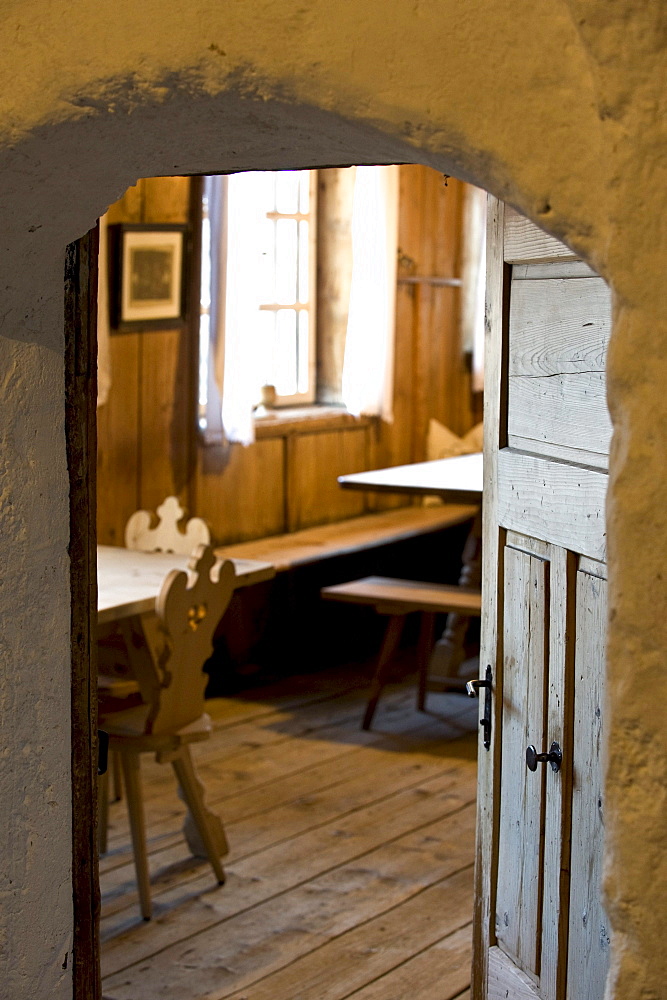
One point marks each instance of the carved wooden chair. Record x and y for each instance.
(167, 655)
(143, 535)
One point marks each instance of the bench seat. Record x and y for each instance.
(356, 534)
(397, 599)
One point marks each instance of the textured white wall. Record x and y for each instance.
(557, 108)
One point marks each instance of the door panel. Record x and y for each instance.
(588, 958)
(521, 832)
(559, 329)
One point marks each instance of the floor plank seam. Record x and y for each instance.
(218, 801)
(357, 927)
(296, 885)
(416, 954)
(157, 891)
(316, 826)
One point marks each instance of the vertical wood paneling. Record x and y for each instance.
(118, 442)
(166, 199)
(130, 207)
(315, 462)
(241, 496)
(165, 420)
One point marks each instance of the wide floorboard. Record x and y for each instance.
(350, 869)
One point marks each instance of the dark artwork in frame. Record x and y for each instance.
(147, 277)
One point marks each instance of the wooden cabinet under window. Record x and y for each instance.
(541, 930)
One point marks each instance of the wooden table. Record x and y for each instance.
(458, 480)
(128, 582)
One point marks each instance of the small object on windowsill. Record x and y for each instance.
(267, 403)
(268, 396)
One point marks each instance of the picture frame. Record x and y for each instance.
(148, 276)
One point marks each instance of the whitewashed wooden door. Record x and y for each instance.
(540, 928)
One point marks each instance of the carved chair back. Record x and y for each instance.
(189, 607)
(165, 536)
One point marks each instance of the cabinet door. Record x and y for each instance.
(543, 631)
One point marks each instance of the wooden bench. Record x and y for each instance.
(397, 599)
(310, 545)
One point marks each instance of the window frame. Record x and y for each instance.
(209, 417)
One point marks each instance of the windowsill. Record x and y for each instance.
(304, 420)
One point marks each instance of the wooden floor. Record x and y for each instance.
(350, 872)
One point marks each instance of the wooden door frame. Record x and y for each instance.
(81, 436)
(495, 406)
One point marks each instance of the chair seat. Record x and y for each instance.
(129, 729)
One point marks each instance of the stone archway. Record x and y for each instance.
(555, 111)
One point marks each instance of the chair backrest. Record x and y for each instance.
(166, 535)
(189, 608)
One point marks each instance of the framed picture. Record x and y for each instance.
(148, 284)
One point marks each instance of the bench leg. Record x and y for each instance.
(389, 644)
(426, 631)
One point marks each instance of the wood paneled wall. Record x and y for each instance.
(148, 441)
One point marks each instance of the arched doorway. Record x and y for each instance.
(65, 163)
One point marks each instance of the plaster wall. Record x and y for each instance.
(558, 108)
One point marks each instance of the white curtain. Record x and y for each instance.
(236, 335)
(473, 275)
(369, 347)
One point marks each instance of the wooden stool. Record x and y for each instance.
(397, 599)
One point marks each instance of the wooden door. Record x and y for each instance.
(540, 927)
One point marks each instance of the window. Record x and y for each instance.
(258, 284)
(258, 309)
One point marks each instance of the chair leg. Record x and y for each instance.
(424, 648)
(102, 812)
(131, 774)
(389, 644)
(209, 826)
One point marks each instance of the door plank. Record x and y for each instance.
(572, 409)
(562, 565)
(558, 502)
(525, 242)
(521, 848)
(506, 981)
(488, 782)
(559, 326)
(588, 958)
(559, 330)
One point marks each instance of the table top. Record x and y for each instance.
(458, 479)
(128, 582)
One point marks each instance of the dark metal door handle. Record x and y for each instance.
(102, 751)
(472, 690)
(554, 757)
